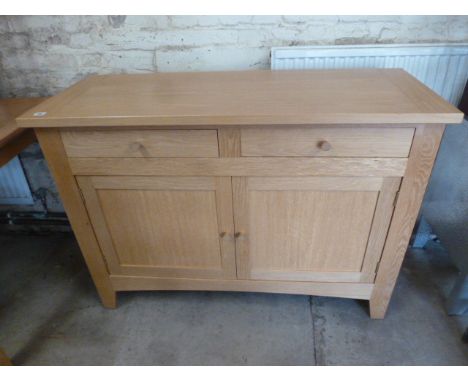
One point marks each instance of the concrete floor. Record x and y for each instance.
(50, 315)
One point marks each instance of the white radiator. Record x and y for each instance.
(14, 188)
(443, 68)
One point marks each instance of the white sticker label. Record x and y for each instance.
(40, 113)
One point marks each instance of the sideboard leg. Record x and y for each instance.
(421, 159)
(109, 299)
(51, 144)
(377, 308)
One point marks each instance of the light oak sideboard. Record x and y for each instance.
(304, 182)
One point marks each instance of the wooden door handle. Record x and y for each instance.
(324, 146)
(237, 234)
(222, 234)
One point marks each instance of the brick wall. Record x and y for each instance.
(41, 55)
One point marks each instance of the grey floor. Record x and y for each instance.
(50, 315)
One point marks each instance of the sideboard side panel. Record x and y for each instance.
(422, 155)
(52, 146)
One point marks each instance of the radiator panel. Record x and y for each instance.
(14, 188)
(443, 68)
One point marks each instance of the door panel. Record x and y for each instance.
(311, 228)
(163, 218)
(315, 230)
(163, 226)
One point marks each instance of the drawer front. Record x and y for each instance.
(141, 143)
(326, 141)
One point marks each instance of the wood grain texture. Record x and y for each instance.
(310, 141)
(201, 183)
(225, 213)
(96, 215)
(229, 138)
(15, 145)
(12, 138)
(382, 217)
(316, 231)
(155, 228)
(296, 233)
(233, 127)
(10, 108)
(317, 183)
(240, 197)
(245, 97)
(52, 147)
(305, 275)
(423, 152)
(380, 167)
(350, 290)
(165, 227)
(141, 143)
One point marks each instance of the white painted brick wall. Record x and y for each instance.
(41, 55)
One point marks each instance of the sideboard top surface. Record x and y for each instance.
(355, 96)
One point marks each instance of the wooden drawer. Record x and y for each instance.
(326, 141)
(141, 143)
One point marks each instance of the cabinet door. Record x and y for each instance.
(311, 228)
(163, 226)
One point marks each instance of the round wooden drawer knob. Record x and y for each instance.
(324, 146)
